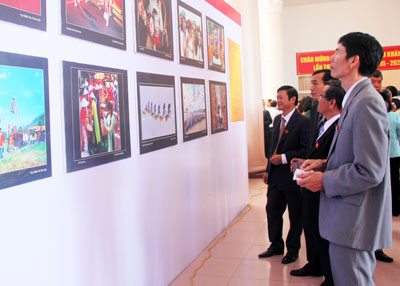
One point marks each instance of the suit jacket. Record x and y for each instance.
(355, 207)
(320, 149)
(293, 144)
(314, 119)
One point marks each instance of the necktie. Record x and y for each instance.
(321, 121)
(321, 130)
(280, 133)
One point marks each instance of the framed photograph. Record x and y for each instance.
(218, 104)
(193, 108)
(25, 152)
(98, 21)
(30, 13)
(215, 46)
(157, 111)
(96, 115)
(154, 28)
(191, 51)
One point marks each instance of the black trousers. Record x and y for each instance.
(277, 200)
(394, 175)
(317, 248)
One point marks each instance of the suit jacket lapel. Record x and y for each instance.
(324, 136)
(343, 115)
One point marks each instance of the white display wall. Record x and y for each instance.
(137, 221)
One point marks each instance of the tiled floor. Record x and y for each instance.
(234, 260)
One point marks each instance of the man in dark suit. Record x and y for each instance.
(330, 103)
(289, 140)
(318, 80)
(355, 202)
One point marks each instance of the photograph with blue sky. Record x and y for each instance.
(22, 118)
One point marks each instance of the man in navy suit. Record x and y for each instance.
(289, 140)
(354, 181)
(329, 106)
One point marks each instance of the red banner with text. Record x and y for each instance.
(308, 63)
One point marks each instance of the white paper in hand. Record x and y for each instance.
(299, 171)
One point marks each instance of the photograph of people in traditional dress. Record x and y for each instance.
(154, 28)
(25, 151)
(157, 111)
(100, 21)
(190, 36)
(96, 115)
(32, 6)
(99, 113)
(22, 119)
(27, 13)
(215, 46)
(194, 108)
(218, 102)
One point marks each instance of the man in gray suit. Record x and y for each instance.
(355, 206)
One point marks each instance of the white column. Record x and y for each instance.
(252, 82)
(271, 42)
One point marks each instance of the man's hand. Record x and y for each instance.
(276, 159)
(295, 163)
(311, 181)
(265, 178)
(314, 165)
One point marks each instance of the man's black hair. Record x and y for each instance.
(291, 92)
(366, 47)
(327, 74)
(336, 92)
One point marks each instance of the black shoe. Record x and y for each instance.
(289, 258)
(270, 252)
(381, 256)
(327, 283)
(306, 270)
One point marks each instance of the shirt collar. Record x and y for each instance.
(346, 96)
(288, 116)
(329, 122)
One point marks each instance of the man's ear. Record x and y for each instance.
(332, 104)
(355, 61)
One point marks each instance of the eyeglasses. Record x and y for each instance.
(324, 96)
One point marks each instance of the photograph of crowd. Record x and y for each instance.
(157, 116)
(218, 103)
(97, 100)
(194, 108)
(190, 36)
(27, 13)
(99, 21)
(154, 28)
(24, 122)
(215, 46)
